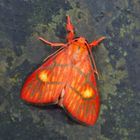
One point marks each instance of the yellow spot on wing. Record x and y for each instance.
(88, 93)
(43, 76)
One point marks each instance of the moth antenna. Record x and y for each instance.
(70, 30)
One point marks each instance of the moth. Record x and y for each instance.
(67, 78)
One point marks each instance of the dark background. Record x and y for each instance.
(117, 58)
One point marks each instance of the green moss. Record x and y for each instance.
(14, 79)
(110, 77)
(110, 44)
(3, 106)
(125, 53)
(102, 137)
(9, 61)
(126, 29)
(5, 52)
(3, 67)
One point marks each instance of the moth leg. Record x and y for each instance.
(70, 30)
(95, 67)
(96, 42)
(97, 73)
(93, 44)
(94, 64)
(50, 43)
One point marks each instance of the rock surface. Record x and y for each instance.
(117, 58)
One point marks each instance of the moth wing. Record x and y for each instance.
(45, 84)
(81, 97)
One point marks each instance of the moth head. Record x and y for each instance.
(81, 41)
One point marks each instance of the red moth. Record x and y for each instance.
(67, 78)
